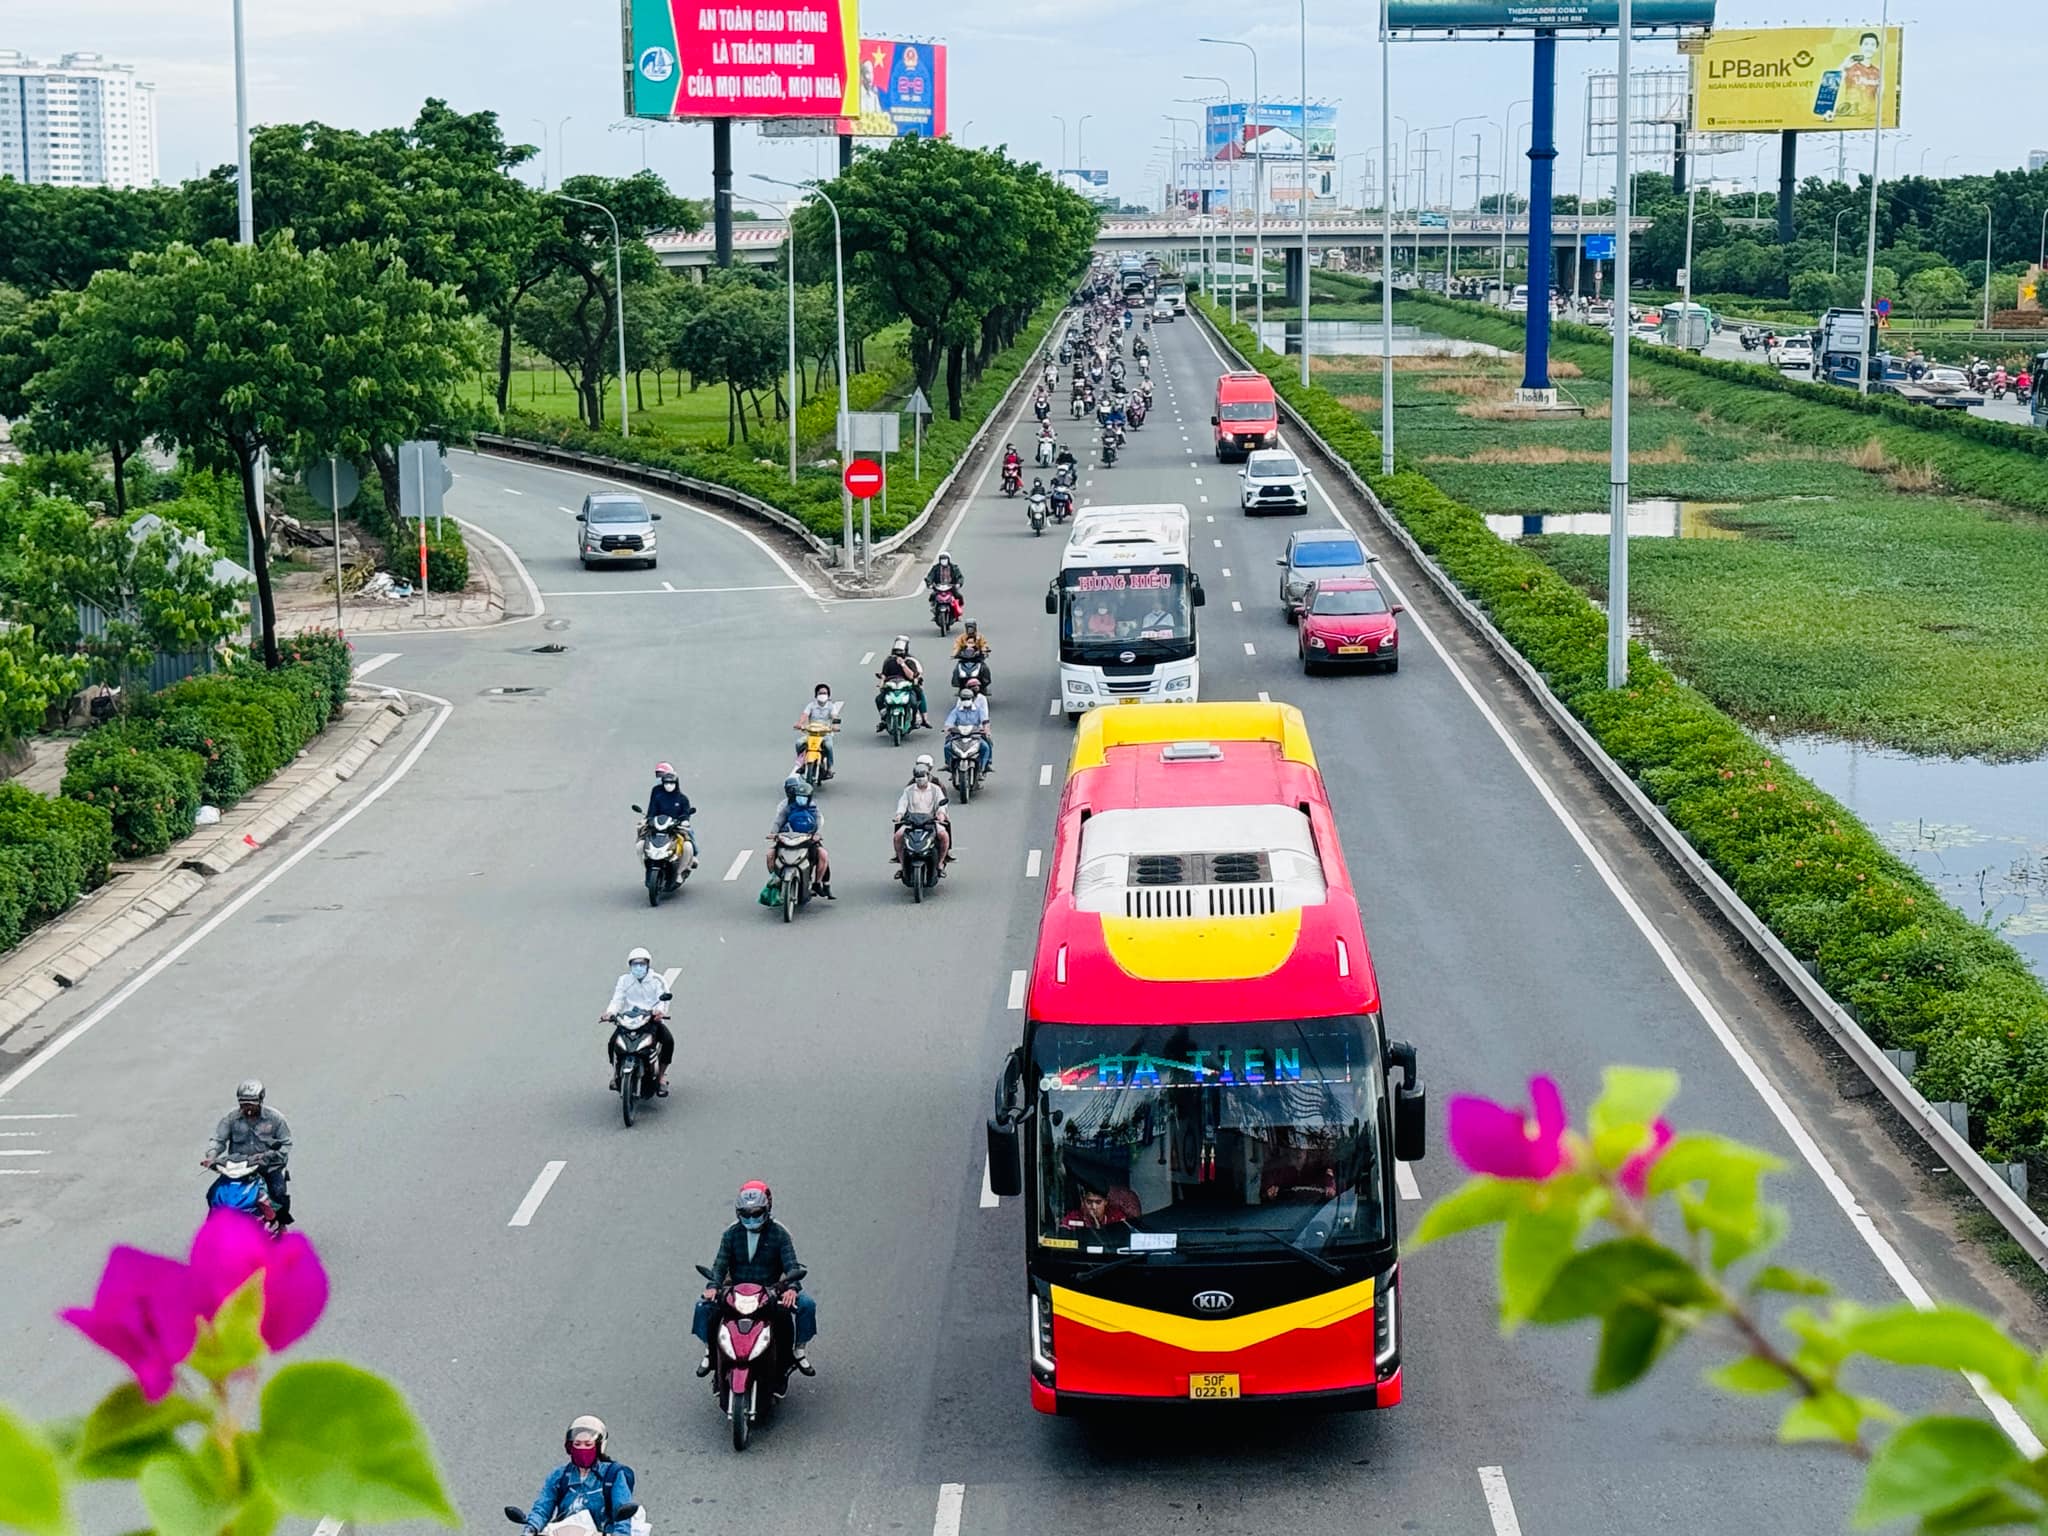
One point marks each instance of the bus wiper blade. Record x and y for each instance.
(1285, 1242)
(1128, 1256)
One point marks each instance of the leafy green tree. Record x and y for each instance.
(58, 237)
(76, 383)
(1934, 291)
(1814, 290)
(32, 678)
(657, 308)
(737, 338)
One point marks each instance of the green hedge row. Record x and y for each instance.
(815, 496)
(1918, 974)
(50, 852)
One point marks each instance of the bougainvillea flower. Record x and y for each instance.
(233, 1246)
(1634, 1175)
(145, 1314)
(1506, 1142)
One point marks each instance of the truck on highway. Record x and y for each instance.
(1205, 1113)
(1125, 598)
(1687, 326)
(2037, 403)
(1174, 289)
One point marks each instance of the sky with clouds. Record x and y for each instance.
(368, 63)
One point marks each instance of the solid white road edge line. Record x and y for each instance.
(739, 862)
(1404, 1182)
(365, 668)
(1493, 1482)
(525, 580)
(947, 1521)
(1031, 864)
(329, 1527)
(1780, 1108)
(1016, 990)
(665, 590)
(170, 957)
(543, 1182)
(988, 1190)
(39, 1117)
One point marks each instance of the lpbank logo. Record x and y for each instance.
(1760, 69)
(657, 63)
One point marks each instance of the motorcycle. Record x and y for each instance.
(1076, 408)
(1041, 408)
(1036, 510)
(1046, 449)
(899, 708)
(963, 762)
(1062, 503)
(2001, 381)
(1013, 478)
(579, 1525)
(239, 1186)
(752, 1350)
(1065, 475)
(1108, 450)
(667, 854)
(1135, 414)
(920, 869)
(945, 606)
(634, 1052)
(810, 760)
(795, 870)
(971, 669)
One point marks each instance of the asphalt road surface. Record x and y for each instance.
(420, 990)
(1727, 344)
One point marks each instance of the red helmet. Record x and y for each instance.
(664, 770)
(754, 1199)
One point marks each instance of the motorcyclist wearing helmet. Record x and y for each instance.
(254, 1134)
(589, 1482)
(969, 716)
(946, 570)
(757, 1250)
(1011, 463)
(822, 713)
(667, 799)
(641, 987)
(972, 645)
(799, 813)
(926, 795)
(900, 663)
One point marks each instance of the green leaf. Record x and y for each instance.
(259, 1513)
(233, 1341)
(1750, 1377)
(1631, 1096)
(1951, 1338)
(1830, 1415)
(1631, 1339)
(1996, 1510)
(31, 1481)
(339, 1441)
(1534, 1246)
(1697, 1157)
(1795, 1282)
(1596, 1280)
(1932, 1464)
(1480, 1203)
(186, 1494)
(125, 1431)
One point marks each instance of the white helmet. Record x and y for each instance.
(587, 1424)
(639, 954)
(922, 768)
(901, 645)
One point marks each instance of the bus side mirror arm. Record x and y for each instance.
(1411, 1103)
(1005, 1151)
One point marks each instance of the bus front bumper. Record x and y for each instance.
(1383, 1393)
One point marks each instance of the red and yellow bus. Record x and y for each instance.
(1205, 1112)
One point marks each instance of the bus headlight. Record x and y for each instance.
(1386, 1317)
(1041, 1331)
(1179, 684)
(1079, 685)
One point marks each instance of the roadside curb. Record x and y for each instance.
(137, 897)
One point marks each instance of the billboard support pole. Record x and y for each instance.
(1617, 449)
(845, 153)
(1542, 158)
(1788, 181)
(721, 189)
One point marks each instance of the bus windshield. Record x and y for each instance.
(1210, 1136)
(1143, 609)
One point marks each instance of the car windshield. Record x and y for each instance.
(1365, 600)
(1321, 553)
(1280, 468)
(617, 511)
(1209, 1135)
(1247, 410)
(1125, 606)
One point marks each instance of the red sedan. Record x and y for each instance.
(1347, 621)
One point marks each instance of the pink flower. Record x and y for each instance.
(1634, 1175)
(232, 1246)
(145, 1314)
(1502, 1141)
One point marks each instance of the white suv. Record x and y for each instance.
(1274, 481)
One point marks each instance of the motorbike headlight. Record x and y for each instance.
(746, 1305)
(1076, 685)
(1179, 684)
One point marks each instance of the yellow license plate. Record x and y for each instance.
(1212, 1386)
(1354, 650)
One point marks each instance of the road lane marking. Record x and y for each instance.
(1236, 607)
(667, 587)
(39, 1117)
(26, 1152)
(1780, 1109)
(739, 862)
(866, 657)
(329, 1526)
(1250, 649)
(1044, 774)
(510, 492)
(1031, 864)
(665, 590)
(1493, 1482)
(365, 668)
(1265, 698)
(1211, 517)
(523, 1217)
(1205, 499)
(570, 510)
(1054, 708)
(1226, 570)
(525, 576)
(1219, 543)
(1198, 479)
(668, 977)
(988, 1189)
(947, 1521)
(1016, 990)
(1404, 1181)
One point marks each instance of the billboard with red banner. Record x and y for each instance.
(902, 91)
(686, 59)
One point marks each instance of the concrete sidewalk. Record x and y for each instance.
(139, 895)
(482, 601)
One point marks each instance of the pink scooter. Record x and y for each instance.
(750, 1337)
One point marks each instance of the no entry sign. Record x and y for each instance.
(864, 477)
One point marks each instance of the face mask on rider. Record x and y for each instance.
(753, 1223)
(639, 969)
(584, 1456)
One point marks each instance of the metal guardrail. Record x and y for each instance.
(1986, 1185)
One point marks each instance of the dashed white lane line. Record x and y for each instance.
(1211, 517)
(951, 1497)
(1016, 990)
(1031, 864)
(1044, 774)
(1236, 607)
(1404, 1181)
(1219, 543)
(1198, 479)
(329, 1526)
(1264, 697)
(383, 658)
(866, 657)
(39, 1117)
(739, 862)
(510, 492)
(667, 586)
(1226, 570)
(1493, 1482)
(523, 1217)
(988, 1189)
(570, 510)
(1053, 708)
(1250, 649)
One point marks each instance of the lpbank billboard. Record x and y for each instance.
(734, 59)
(1789, 79)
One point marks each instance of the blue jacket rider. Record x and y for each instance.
(588, 1481)
(667, 797)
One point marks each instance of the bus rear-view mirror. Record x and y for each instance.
(1005, 1159)
(1411, 1103)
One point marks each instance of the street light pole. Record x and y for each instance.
(1617, 443)
(1987, 266)
(245, 234)
(789, 250)
(543, 150)
(1231, 172)
(562, 147)
(1386, 251)
(1870, 234)
(618, 303)
(1835, 266)
(839, 274)
(1258, 190)
(1080, 144)
(1063, 142)
(1451, 202)
(1304, 195)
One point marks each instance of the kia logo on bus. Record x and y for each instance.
(1214, 1301)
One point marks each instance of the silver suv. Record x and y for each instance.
(1319, 554)
(615, 528)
